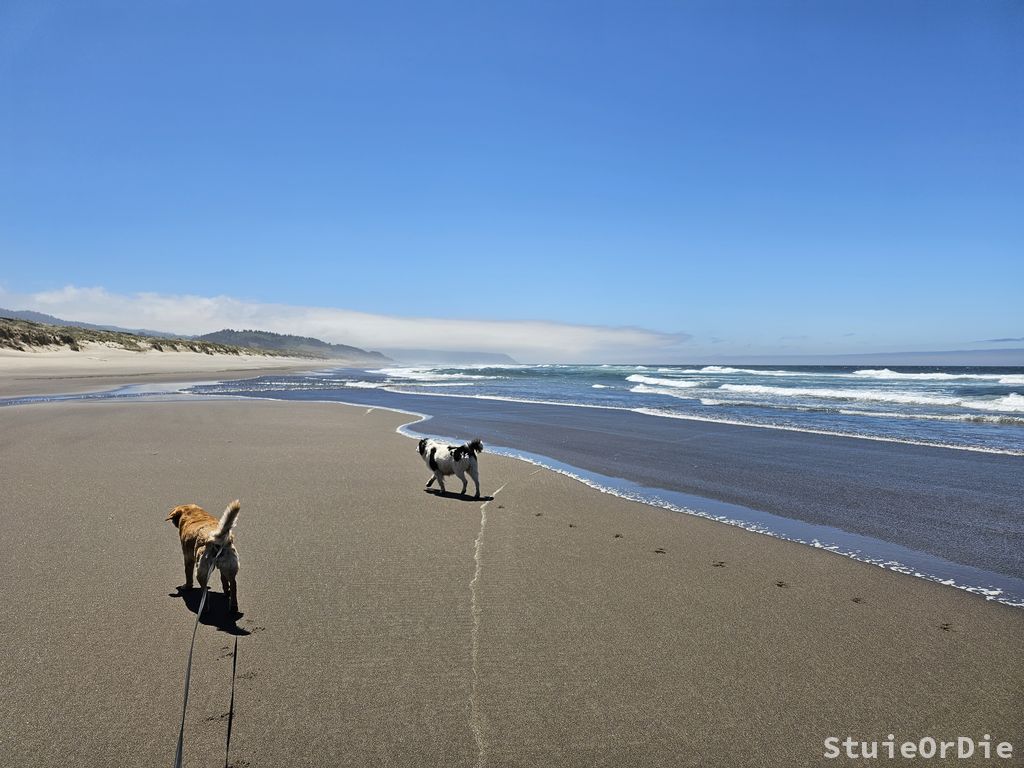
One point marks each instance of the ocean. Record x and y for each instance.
(968, 408)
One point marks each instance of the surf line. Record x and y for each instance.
(475, 719)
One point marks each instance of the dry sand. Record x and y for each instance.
(97, 367)
(384, 625)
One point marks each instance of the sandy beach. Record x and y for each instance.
(384, 625)
(97, 367)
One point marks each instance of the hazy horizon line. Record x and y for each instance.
(538, 341)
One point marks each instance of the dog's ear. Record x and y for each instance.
(423, 446)
(174, 514)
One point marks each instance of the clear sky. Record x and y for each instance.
(706, 177)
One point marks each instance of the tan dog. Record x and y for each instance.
(210, 541)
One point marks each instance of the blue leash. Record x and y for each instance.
(188, 679)
(188, 672)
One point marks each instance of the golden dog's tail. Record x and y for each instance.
(227, 521)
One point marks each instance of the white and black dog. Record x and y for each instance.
(444, 459)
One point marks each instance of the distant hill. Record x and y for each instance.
(300, 346)
(49, 332)
(39, 317)
(26, 336)
(444, 357)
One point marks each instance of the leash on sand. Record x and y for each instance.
(178, 754)
(231, 707)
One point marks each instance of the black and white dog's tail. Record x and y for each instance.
(227, 521)
(467, 451)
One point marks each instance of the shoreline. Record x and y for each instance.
(980, 582)
(835, 539)
(819, 480)
(550, 624)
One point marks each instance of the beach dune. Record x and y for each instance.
(384, 625)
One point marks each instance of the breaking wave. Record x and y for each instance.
(1011, 402)
(656, 382)
(886, 374)
(645, 389)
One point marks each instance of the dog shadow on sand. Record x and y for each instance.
(456, 496)
(216, 612)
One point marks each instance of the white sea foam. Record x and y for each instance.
(599, 386)
(887, 374)
(638, 379)
(724, 369)
(865, 373)
(957, 417)
(1012, 402)
(711, 369)
(644, 389)
(427, 374)
(879, 395)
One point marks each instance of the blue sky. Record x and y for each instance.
(725, 177)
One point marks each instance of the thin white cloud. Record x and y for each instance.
(528, 340)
